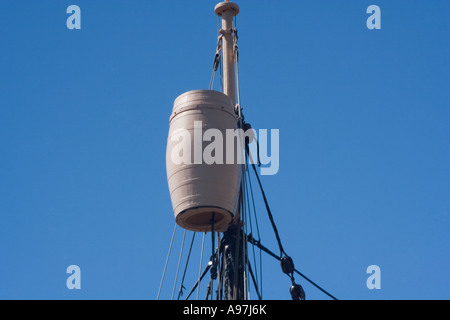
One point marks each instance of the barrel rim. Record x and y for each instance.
(215, 92)
(225, 218)
(218, 99)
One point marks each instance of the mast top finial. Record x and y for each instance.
(226, 6)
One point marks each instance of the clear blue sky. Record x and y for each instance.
(363, 116)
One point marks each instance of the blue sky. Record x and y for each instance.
(363, 116)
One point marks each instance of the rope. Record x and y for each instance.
(257, 231)
(216, 62)
(259, 245)
(269, 212)
(167, 259)
(180, 292)
(251, 232)
(213, 259)
(279, 240)
(201, 261)
(219, 267)
(244, 234)
(196, 285)
(244, 240)
(236, 67)
(255, 282)
(179, 261)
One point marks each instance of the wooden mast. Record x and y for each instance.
(233, 256)
(227, 10)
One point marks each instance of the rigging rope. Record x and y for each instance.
(167, 259)
(180, 292)
(280, 257)
(250, 210)
(196, 285)
(255, 282)
(244, 235)
(259, 245)
(236, 62)
(269, 212)
(257, 231)
(201, 261)
(216, 62)
(213, 258)
(179, 261)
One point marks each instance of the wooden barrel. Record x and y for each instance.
(202, 193)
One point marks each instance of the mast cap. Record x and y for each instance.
(226, 6)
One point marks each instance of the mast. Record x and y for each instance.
(234, 243)
(227, 10)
